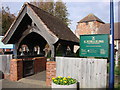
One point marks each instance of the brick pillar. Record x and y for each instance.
(16, 69)
(50, 72)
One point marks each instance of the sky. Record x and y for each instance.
(77, 9)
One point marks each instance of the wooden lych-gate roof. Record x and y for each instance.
(105, 29)
(90, 17)
(54, 26)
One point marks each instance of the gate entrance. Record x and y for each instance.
(28, 68)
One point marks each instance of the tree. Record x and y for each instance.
(61, 12)
(7, 19)
(57, 9)
(46, 5)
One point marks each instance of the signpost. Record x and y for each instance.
(111, 74)
(96, 45)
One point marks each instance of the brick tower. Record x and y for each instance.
(88, 25)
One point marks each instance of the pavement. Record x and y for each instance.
(34, 81)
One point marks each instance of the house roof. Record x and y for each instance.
(54, 24)
(90, 17)
(105, 29)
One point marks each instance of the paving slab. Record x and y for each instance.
(34, 81)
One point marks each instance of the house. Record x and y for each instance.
(91, 24)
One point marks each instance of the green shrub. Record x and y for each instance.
(117, 70)
(117, 86)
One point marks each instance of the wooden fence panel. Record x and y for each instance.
(90, 73)
(5, 63)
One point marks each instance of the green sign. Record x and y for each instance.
(96, 45)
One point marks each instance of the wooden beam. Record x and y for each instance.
(15, 50)
(52, 52)
(43, 29)
(64, 49)
(30, 30)
(25, 33)
(14, 25)
(72, 49)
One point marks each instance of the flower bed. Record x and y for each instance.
(64, 82)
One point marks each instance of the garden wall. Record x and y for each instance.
(16, 67)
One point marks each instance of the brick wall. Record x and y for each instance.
(16, 69)
(39, 64)
(50, 72)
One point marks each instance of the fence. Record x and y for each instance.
(90, 73)
(5, 63)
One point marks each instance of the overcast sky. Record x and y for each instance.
(77, 9)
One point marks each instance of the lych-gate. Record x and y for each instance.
(35, 35)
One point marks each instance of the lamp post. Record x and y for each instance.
(111, 74)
